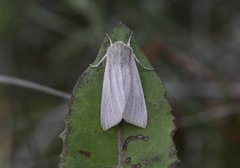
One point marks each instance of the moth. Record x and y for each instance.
(122, 92)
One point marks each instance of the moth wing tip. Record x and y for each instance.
(106, 126)
(144, 125)
(141, 124)
(105, 129)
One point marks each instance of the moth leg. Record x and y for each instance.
(128, 43)
(103, 58)
(150, 69)
(110, 40)
(94, 66)
(130, 37)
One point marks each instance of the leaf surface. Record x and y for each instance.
(87, 145)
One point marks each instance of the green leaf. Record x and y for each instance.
(87, 145)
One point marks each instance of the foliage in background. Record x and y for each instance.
(193, 45)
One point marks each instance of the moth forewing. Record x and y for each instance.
(135, 111)
(113, 98)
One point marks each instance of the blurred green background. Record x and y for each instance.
(194, 45)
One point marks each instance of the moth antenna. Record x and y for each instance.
(150, 69)
(110, 40)
(129, 40)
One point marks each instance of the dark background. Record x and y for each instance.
(194, 45)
